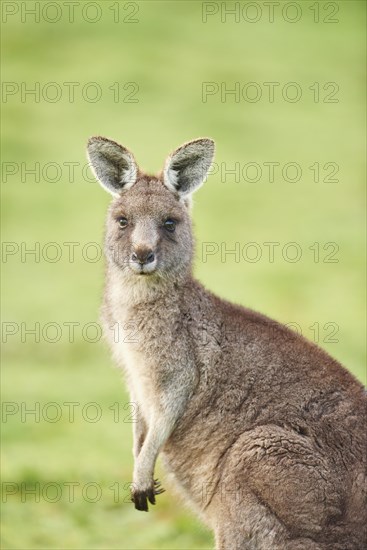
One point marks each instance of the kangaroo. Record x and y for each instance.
(263, 432)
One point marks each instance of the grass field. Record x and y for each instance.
(153, 75)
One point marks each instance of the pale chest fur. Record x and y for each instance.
(150, 343)
(139, 378)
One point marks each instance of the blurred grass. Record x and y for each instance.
(169, 54)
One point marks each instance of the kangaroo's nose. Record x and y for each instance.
(143, 256)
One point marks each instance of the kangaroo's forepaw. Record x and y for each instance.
(141, 497)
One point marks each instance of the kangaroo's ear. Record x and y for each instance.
(112, 164)
(187, 167)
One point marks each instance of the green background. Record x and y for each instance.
(168, 53)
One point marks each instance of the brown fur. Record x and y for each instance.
(263, 431)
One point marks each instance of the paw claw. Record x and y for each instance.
(158, 489)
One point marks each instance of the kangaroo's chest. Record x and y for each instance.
(149, 352)
(140, 378)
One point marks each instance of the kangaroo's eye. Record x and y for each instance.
(170, 225)
(122, 222)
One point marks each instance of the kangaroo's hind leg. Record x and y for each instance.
(276, 491)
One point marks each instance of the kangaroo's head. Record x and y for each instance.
(149, 234)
